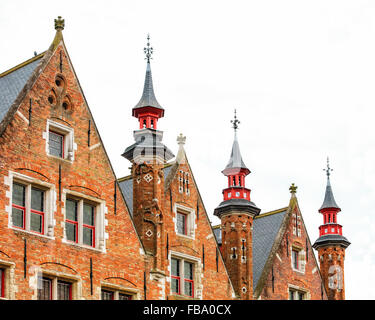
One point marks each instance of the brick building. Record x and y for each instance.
(71, 230)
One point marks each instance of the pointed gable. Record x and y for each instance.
(265, 229)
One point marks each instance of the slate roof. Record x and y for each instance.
(265, 228)
(329, 200)
(12, 83)
(148, 98)
(235, 161)
(126, 186)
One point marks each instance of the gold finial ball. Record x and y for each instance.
(59, 23)
(293, 188)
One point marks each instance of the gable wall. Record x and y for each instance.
(284, 275)
(23, 150)
(214, 283)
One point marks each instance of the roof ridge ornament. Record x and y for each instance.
(148, 50)
(293, 189)
(235, 122)
(328, 168)
(59, 24)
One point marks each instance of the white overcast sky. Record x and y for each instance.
(301, 75)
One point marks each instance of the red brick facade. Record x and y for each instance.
(162, 247)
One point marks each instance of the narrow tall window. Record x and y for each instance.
(181, 223)
(45, 289)
(188, 279)
(64, 290)
(2, 283)
(37, 210)
(295, 259)
(18, 205)
(56, 144)
(175, 275)
(88, 226)
(71, 223)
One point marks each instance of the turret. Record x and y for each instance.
(237, 212)
(148, 156)
(331, 245)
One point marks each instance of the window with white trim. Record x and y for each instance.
(54, 288)
(297, 294)
(31, 208)
(184, 221)
(59, 140)
(298, 259)
(112, 294)
(84, 220)
(182, 277)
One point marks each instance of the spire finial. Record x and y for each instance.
(59, 24)
(293, 188)
(148, 50)
(235, 122)
(328, 168)
(181, 139)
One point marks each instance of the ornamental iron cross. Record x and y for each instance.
(235, 122)
(148, 50)
(328, 168)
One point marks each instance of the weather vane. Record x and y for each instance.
(235, 122)
(328, 168)
(148, 50)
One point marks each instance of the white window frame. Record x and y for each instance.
(100, 221)
(301, 259)
(197, 273)
(75, 282)
(117, 289)
(49, 203)
(68, 133)
(190, 220)
(296, 289)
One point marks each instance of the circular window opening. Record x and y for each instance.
(65, 105)
(50, 100)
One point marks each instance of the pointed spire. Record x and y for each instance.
(148, 98)
(329, 200)
(235, 161)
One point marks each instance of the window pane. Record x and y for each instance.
(56, 144)
(188, 288)
(300, 295)
(88, 236)
(295, 259)
(2, 278)
(188, 270)
(36, 222)
(37, 199)
(123, 296)
(175, 267)
(181, 223)
(45, 289)
(175, 283)
(17, 217)
(71, 231)
(291, 295)
(63, 290)
(88, 214)
(18, 194)
(107, 295)
(71, 210)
